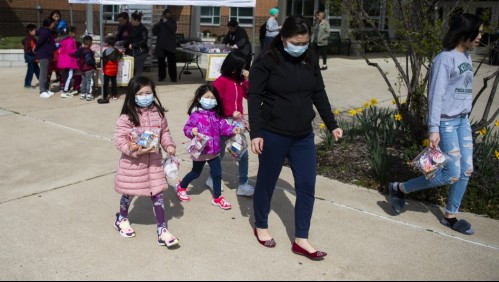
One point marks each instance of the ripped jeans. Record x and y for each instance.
(455, 140)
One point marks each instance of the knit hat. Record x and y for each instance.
(274, 11)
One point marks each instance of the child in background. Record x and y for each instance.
(232, 86)
(140, 171)
(53, 64)
(87, 64)
(205, 117)
(67, 61)
(111, 60)
(29, 43)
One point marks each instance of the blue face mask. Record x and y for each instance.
(144, 101)
(208, 103)
(294, 50)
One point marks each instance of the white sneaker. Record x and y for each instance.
(245, 190)
(209, 183)
(45, 95)
(74, 92)
(66, 95)
(82, 96)
(50, 93)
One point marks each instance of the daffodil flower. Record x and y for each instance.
(497, 122)
(322, 125)
(483, 131)
(497, 154)
(374, 102)
(426, 143)
(398, 117)
(352, 112)
(367, 105)
(337, 112)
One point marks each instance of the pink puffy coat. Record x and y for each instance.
(141, 175)
(67, 59)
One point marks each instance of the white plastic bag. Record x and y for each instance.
(237, 146)
(430, 161)
(171, 167)
(197, 145)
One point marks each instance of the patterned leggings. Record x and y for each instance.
(157, 203)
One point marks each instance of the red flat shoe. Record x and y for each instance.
(313, 256)
(269, 243)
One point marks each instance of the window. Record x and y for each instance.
(110, 13)
(210, 15)
(243, 15)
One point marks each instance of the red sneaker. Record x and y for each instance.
(221, 203)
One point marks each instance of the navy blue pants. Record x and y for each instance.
(301, 155)
(215, 172)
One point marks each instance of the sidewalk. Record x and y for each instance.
(57, 203)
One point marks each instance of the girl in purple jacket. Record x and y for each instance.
(205, 117)
(140, 171)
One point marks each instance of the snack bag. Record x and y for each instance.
(237, 146)
(429, 161)
(171, 167)
(145, 137)
(197, 145)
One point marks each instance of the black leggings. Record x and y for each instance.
(322, 51)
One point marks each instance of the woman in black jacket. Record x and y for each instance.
(285, 84)
(138, 43)
(166, 45)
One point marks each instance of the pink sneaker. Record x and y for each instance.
(166, 238)
(124, 227)
(221, 203)
(182, 193)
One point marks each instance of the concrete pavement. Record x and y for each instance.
(57, 205)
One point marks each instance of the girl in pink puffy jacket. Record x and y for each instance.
(67, 61)
(140, 171)
(205, 117)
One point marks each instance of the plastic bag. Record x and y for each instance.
(237, 146)
(146, 137)
(171, 167)
(430, 161)
(197, 145)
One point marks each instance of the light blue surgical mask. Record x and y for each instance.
(295, 50)
(208, 103)
(144, 101)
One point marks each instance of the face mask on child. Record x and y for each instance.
(144, 101)
(208, 103)
(296, 50)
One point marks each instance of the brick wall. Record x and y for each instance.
(16, 14)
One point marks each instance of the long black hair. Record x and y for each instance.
(203, 89)
(292, 26)
(233, 65)
(130, 107)
(463, 27)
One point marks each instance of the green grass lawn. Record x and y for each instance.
(11, 42)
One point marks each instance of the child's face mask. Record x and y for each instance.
(208, 103)
(144, 101)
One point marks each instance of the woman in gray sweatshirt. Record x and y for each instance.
(449, 104)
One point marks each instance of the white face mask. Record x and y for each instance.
(295, 50)
(208, 103)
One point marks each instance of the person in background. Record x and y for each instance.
(272, 27)
(87, 64)
(450, 97)
(237, 39)
(44, 52)
(320, 37)
(67, 61)
(124, 32)
(138, 43)
(60, 24)
(111, 61)
(29, 43)
(166, 45)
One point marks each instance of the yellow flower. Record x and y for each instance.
(483, 131)
(403, 102)
(497, 154)
(323, 125)
(337, 112)
(497, 122)
(374, 102)
(367, 105)
(359, 110)
(426, 143)
(394, 102)
(352, 112)
(398, 117)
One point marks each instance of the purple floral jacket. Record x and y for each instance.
(211, 125)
